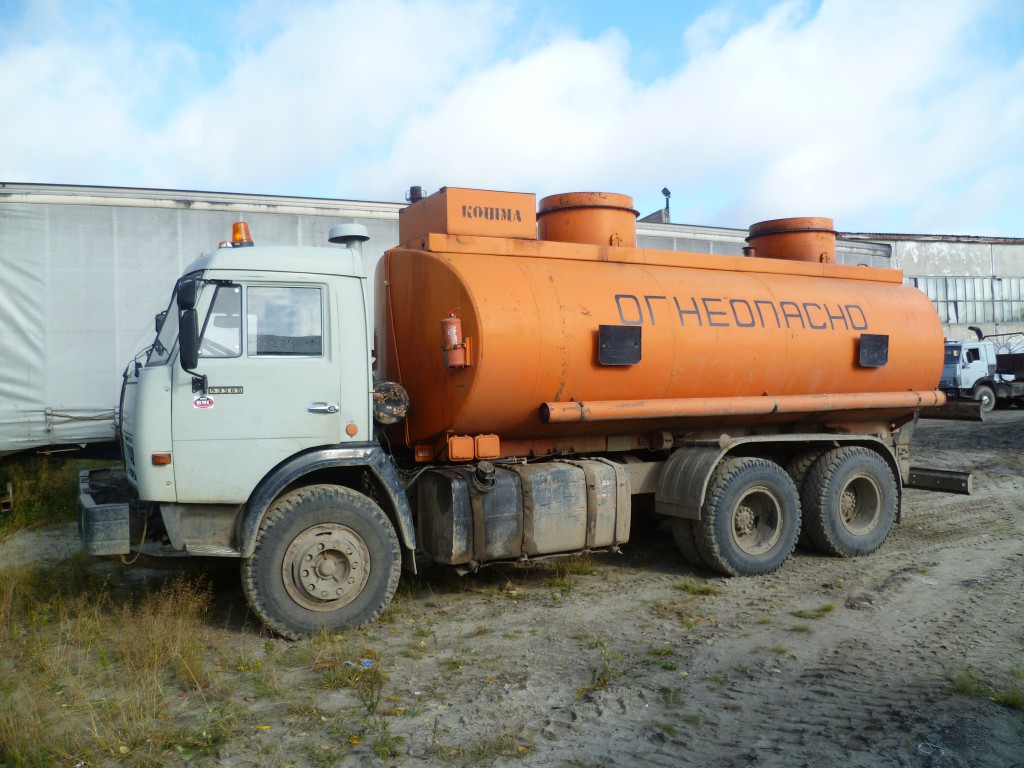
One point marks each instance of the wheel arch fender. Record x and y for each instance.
(309, 467)
(683, 481)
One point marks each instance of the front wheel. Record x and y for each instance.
(986, 396)
(750, 519)
(325, 557)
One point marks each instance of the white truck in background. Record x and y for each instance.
(989, 369)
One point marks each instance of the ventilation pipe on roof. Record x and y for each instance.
(352, 236)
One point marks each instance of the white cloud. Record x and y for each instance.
(885, 116)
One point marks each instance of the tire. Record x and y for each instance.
(798, 468)
(354, 556)
(987, 396)
(684, 533)
(750, 519)
(849, 502)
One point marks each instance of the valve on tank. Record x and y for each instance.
(453, 345)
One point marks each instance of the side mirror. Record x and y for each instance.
(188, 293)
(188, 338)
(159, 320)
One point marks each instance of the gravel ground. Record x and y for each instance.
(619, 661)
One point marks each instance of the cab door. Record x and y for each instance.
(973, 366)
(278, 382)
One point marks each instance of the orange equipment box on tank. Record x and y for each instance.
(577, 340)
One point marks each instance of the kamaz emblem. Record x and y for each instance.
(490, 213)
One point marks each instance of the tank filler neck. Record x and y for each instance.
(592, 218)
(810, 238)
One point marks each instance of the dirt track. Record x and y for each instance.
(621, 667)
(825, 662)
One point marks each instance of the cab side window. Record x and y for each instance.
(284, 321)
(222, 332)
(973, 355)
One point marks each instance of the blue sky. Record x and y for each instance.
(886, 115)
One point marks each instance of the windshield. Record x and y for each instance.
(952, 356)
(167, 336)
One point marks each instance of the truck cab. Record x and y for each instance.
(282, 367)
(988, 370)
(247, 432)
(968, 371)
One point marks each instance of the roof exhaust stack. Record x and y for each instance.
(352, 236)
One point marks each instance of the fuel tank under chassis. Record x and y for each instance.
(696, 327)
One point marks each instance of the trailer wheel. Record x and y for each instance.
(325, 557)
(798, 468)
(987, 396)
(685, 535)
(750, 519)
(849, 502)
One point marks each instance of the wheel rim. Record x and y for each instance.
(326, 567)
(860, 505)
(757, 521)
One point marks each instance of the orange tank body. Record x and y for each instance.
(695, 340)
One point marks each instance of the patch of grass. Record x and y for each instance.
(692, 587)
(817, 613)
(579, 565)
(680, 610)
(968, 681)
(669, 729)
(670, 697)
(341, 667)
(800, 628)
(718, 680)
(45, 491)
(560, 587)
(99, 672)
(478, 631)
(486, 750)
(609, 668)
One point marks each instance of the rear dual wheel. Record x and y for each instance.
(849, 502)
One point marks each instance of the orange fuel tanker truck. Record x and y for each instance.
(530, 374)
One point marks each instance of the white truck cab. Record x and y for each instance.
(247, 432)
(981, 370)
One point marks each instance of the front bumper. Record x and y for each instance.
(103, 504)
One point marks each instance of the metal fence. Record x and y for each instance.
(974, 299)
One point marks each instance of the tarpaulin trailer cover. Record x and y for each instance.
(84, 271)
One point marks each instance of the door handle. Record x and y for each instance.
(323, 408)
